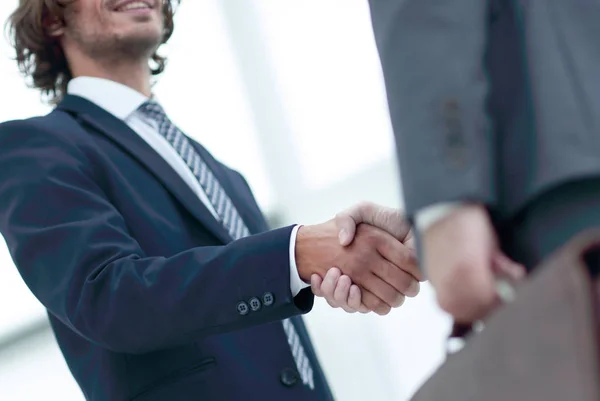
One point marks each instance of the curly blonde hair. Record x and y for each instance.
(39, 55)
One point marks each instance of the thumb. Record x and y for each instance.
(348, 219)
(386, 218)
(346, 228)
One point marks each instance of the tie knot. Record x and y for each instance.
(153, 110)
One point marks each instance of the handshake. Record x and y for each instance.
(362, 260)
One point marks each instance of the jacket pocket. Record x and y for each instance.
(176, 375)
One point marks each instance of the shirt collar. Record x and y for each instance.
(118, 99)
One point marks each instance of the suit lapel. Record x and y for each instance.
(120, 133)
(254, 223)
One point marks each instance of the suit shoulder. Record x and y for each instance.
(27, 124)
(57, 125)
(55, 134)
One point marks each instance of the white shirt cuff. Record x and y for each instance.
(296, 283)
(430, 215)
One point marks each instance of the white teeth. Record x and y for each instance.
(136, 5)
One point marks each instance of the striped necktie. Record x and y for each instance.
(226, 211)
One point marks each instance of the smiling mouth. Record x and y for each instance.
(134, 5)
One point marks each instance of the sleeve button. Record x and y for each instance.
(268, 299)
(254, 304)
(242, 308)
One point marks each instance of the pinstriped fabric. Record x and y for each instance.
(300, 357)
(226, 211)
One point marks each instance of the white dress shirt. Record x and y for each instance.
(123, 102)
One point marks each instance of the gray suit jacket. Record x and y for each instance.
(491, 100)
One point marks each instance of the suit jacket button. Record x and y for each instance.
(268, 299)
(288, 377)
(243, 308)
(254, 304)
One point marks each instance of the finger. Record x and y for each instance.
(355, 300)
(346, 228)
(342, 292)
(413, 289)
(384, 291)
(315, 284)
(402, 281)
(374, 303)
(354, 297)
(506, 267)
(329, 284)
(399, 255)
(363, 309)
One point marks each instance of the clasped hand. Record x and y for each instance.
(362, 260)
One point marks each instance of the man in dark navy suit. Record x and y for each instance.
(161, 278)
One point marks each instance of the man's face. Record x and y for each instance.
(113, 29)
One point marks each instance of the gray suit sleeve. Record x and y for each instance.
(432, 54)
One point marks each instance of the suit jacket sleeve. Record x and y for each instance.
(73, 249)
(432, 54)
(298, 287)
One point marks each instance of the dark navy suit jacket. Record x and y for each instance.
(141, 283)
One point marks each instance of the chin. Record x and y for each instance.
(138, 42)
(149, 31)
(141, 25)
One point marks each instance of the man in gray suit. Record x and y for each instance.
(495, 106)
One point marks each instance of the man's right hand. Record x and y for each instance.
(377, 262)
